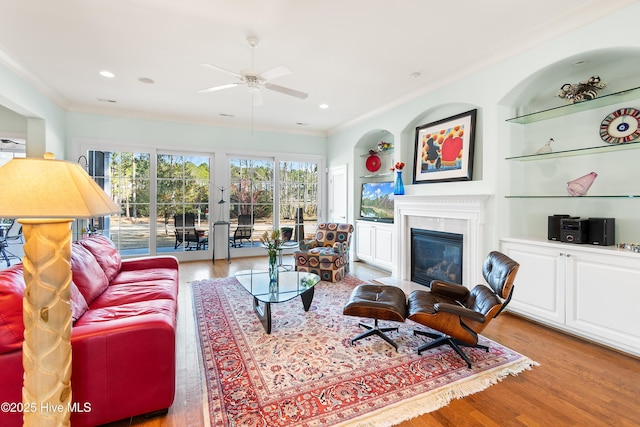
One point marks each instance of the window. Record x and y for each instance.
(299, 197)
(151, 189)
(154, 188)
(253, 193)
(183, 197)
(10, 148)
(126, 177)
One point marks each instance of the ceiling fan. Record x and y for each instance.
(13, 146)
(254, 80)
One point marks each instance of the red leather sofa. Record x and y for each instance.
(122, 340)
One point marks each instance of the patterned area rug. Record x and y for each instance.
(307, 372)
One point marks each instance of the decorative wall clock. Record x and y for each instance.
(621, 126)
(373, 163)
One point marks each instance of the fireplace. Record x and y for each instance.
(457, 214)
(436, 255)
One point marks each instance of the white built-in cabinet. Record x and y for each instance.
(374, 243)
(585, 290)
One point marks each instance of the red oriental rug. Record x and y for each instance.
(307, 372)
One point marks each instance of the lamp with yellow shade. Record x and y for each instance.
(46, 195)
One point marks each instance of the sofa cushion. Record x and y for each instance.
(87, 273)
(148, 275)
(105, 252)
(11, 324)
(128, 314)
(78, 303)
(136, 292)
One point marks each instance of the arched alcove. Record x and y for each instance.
(536, 185)
(617, 67)
(373, 140)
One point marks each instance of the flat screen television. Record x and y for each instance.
(376, 201)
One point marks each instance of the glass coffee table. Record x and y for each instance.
(290, 284)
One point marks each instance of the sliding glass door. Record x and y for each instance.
(164, 199)
(182, 208)
(298, 208)
(250, 199)
(126, 176)
(254, 196)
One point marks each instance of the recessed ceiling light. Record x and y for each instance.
(415, 75)
(226, 115)
(580, 62)
(324, 106)
(112, 101)
(302, 124)
(146, 80)
(107, 74)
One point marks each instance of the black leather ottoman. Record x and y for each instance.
(378, 302)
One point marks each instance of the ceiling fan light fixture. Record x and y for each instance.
(253, 41)
(255, 80)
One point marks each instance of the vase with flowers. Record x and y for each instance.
(273, 243)
(398, 189)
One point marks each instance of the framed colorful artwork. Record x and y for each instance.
(444, 149)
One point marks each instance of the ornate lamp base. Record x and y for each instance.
(46, 392)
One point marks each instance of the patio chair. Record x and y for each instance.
(11, 236)
(244, 230)
(186, 233)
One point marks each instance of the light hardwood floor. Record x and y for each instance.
(577, 383)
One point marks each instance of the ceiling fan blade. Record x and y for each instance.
(215, 88)
(275, 72)
(286, 91)
(224, 70)
(256, 97)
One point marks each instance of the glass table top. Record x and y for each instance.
(290, 284)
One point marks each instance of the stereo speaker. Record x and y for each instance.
(553, 232)
(602, 231)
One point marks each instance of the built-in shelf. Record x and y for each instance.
(578, 151)
(384, 171)
(378, 175)
(563, 110)
(379, 153)
(601, 196)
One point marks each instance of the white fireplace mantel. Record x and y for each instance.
(462, 214)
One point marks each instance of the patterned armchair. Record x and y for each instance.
(327, 255)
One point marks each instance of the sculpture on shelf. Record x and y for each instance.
(384, 145)
(580, 186)
(583, 91)
(546, 148)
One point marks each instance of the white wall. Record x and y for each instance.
(185, 136)
(485, 90)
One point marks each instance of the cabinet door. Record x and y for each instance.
(384, 245)
(539, 288)
(602, 294)
(364, 241)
